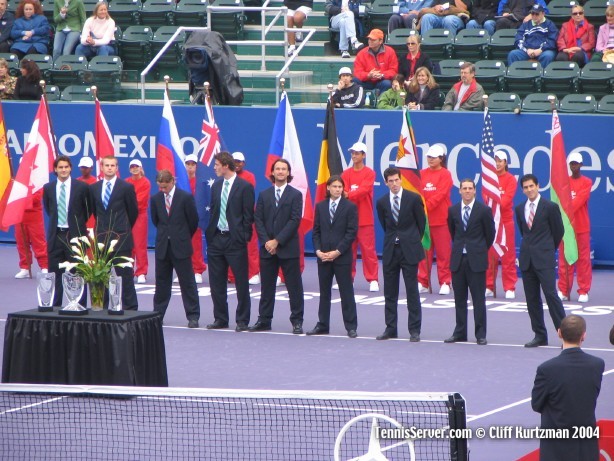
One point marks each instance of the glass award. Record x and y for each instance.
(73, 289)
(45, 290)
(115, 294)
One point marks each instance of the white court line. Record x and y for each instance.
(25, 407)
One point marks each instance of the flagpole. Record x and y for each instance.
(43, 85)
(282, 83)
(493, 259)
(552, 98)
(166, 80)
(94, 90)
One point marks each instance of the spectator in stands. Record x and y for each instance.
(408, 15)
(422, 91)
(6, 24)
(348, 94)
(512, 13)
(30, 31)
(7, 82)
(483, 14)
(298, 10)
(576, 38)
(445, 15)
(466, 94)
(414, 59)
(605, 37)
(376, 65)
(69, 19)
(27, 86)
(342, 17)
(98, 34)
(394, 98)
(535, 39)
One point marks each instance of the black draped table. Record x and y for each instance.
(98, 348)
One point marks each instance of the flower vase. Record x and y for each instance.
(96, 295)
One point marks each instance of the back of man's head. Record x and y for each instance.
(572, 329)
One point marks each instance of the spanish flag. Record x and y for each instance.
(330, 154)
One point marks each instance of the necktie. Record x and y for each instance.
(277, 196)
(333, 209)
(62, 206)
(396, 209)
(531, 215)
(222, 224)
(107, 195)
(167, 202)
(466, 217)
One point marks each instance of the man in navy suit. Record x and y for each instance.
(228, 232)
(116, 210)
(472, 228)
(64, 225)
(173, 212)
(278, 216)
(565, 393)
(541, 227)
(334, 230)
(401, 214)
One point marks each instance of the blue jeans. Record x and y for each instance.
(90, 51)
(344, 23)
(432, 21)
(544, 59)
(65, 42)
(380, 86)
(488, 26)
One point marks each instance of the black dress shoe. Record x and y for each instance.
(241, 327)
(297, 328)
(415, 338)
(193, 324)
(482, 342)
(217, 326)
(318, 330)
(454, 339)
(352, 334)
(385, 335)
(260, 326)
(535, 342)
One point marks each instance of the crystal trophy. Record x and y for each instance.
(45, 290)
(115, 294)
(73, 289)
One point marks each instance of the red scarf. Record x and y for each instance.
(412, 63)
(572, 35)
(469, 92)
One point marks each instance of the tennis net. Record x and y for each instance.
(128, 423)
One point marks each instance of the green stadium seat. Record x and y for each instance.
(44, 63)
(380, 13)
(157, 13)
(606, 105)
(52, 92)
(597, 78)
(135, 47)
(67, 70)
(523, 77)
(561, 78)
(578, 103)
(594, 11)
(539, 102)
(125, 12)
(229, 24)
(471, 44)
(397, 39)
(77, 93)
(491, 75)
(172, 58)
(504, 102)
(105, 72)
(560, 11)
(438, 44)
(191, 13)
(501, 43)
(449, 73)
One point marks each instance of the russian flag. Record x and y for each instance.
(169, 154)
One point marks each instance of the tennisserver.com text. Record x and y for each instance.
(493, 432)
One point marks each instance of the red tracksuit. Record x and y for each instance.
(509, 275)
(436, 187)
(31, 233)
(580, 193)
(91, 222)
(198, 261)
(359, 187)
(253, 255)
(142, 187)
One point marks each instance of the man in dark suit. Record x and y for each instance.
(472, 228)
(334, 230)
(278, 216)
(228, 232)
(68, 205)
(173, 212)
(541, 227)
(401, 214)
(565, 393)
(116, 210)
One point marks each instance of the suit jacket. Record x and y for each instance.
(176, 228)
(477, 239)
(409, 230)
(120, 215)
(239, 210)
(338, 235)
(79, 210)
(540, 242)
(280, 223)
(565, 393)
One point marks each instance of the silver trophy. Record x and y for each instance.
(73, 289)
(45, 290)
(115, 294)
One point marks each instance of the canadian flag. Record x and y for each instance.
(34, 169)
(104, 138)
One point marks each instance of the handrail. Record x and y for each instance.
(286, 66)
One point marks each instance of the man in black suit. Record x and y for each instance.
(278, 216)
(116, 210)
(228, 232)
(565, 393)
(472, 228)
(173, 212)
(401, 214)
(541, 227)
(68, 205)
(334, 230)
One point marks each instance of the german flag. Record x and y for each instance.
(330, 153)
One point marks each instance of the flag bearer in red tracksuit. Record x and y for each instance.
(142, 187)
(436, 187)
(509, 275)
(31, 233)
(198, 261)
(86, 164)
(580, 193)
(359, 181)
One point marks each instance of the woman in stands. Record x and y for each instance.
(422, 91)
(69, 18)
(30, 31)
(98, 33)
(605, 38)
(576, 38)
(414, 58)
(7, 82)
(27, 86)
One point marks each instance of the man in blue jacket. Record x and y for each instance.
(535, 39)
(6, 24)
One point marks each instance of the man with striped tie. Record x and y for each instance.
(541, 227)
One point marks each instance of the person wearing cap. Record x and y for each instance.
(198, 260)
(86, 165)
(466, 94)
(535, 39)
(376, 64)
(342, 17)
(509, 273)
(348, 94)
(436, 186)
(298, 11)
(394, 98)
(142, 188)
(359, 182)
(512, 13)
(445, 14)
(580, 194)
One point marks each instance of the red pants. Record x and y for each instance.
(198, 262)
(139, 249)
(366, 240)
(253, 258)
(441, 244)
(31, 233)
(584, 270)
(509, 274)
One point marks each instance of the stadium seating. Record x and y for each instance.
(597, 78)
(135, 47)
(501, 43)
(471, 44)
(594, 11)
(52, 93)
(504, 102)
(578, 103)
(125, 12)
(449, 73)
(560, 11)
(561, 78)
(397, 39)
(606, 105)
(43, 61)
(191, 13)
(13, 62)
(491, 75)
(438, 44)
(379, 14)
(105, 72)
(539, 102)
(229, 24)
(157, 13)
(77, 93)
(173, 55)
(523, 77)
(67, 70)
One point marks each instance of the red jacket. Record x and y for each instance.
(507, 188)
(580, 193)
(248, 176)
(142, 187)
(386, 61)
(436, 187)
(359, 186)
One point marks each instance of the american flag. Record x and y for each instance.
(490, 183)
(210, 142)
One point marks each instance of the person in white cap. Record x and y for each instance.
(436, 186)
(342, 16)
(580, 194)
(86, 165)
(359, 182)
(509, 274)
(198, 261)
(142, 187)
(348, 94)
